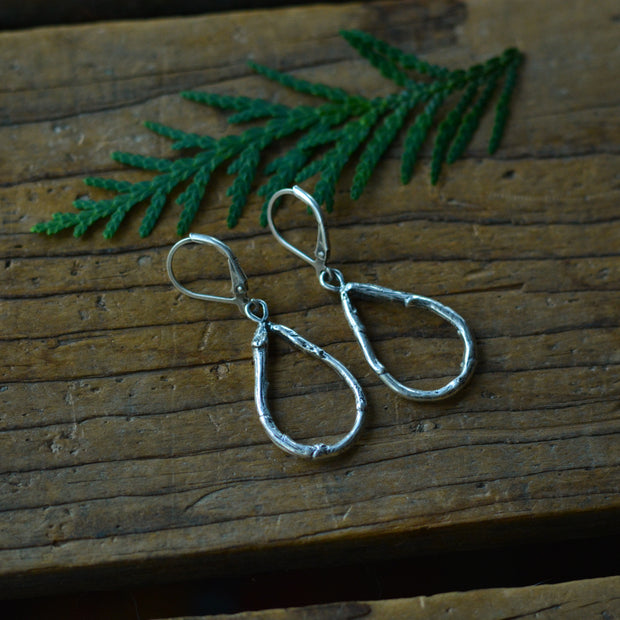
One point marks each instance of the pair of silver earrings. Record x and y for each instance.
(331, 279)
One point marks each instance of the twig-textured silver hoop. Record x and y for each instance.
(346, 290)
(256, 310)
(261, 389)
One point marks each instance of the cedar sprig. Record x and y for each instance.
(326, 137)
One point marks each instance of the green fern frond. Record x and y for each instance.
(191, 197)
(447, 130)
(417, 135)
(376, 146)
(336, 159)
(245, 167)
(469, 122)
(379, 54)
(166, 184)
(182, 139)
(246, 107)
(341, 128)
(337, 95)
(158, 164)
(122, 208)
(112, 185)
(503, 104)
(282, 173)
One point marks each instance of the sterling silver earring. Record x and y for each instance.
(333, 280)
(256, 310)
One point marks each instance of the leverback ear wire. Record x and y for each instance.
(321, 251)
(333, 280)
(238, 278)
(256, 310)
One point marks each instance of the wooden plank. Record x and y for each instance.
(590, 598)
(129, 443)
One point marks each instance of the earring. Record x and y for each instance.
(333, 280)
(256, 310)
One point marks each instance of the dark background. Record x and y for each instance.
(525, 565)
(31, 13)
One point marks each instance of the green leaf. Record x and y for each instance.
(283, 171)
(380, 53)
(191, 197)
(301, 86)
(165, 185)
(335, 160)
(158, 164)
(502, 109)
(123, 206)
(182, 139)
(323, 138)
(469, 123)
(417, 135)
(112, 185)
(381, 140)
(240, 189)
(448, 128)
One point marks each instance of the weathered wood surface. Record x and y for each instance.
(591, 598)
(129, 442)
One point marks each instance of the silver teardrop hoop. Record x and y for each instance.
(333, 280)
(256, 310)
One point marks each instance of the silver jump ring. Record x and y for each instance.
(248, 310)
(327, 276)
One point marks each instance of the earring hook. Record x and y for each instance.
(321, 251)
(238, 278)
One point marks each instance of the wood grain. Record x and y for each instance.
(129, 442)
(590, 598)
